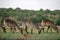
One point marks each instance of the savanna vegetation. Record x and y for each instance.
(19, 14)
(36, 15)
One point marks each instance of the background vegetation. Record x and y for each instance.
(36, 15)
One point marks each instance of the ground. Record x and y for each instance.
(35, 36)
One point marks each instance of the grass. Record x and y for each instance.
(43, 36)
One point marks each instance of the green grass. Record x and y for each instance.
(35, 36)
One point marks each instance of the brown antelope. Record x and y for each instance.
(28, 22)
(11, 23)
(49, 24)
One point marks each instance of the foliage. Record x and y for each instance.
(19, 14)
(58, 21)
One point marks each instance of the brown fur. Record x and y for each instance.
(49, 24)
(29, 21)
(11, 23)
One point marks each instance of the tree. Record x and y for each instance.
(47, 11)
(3, 12)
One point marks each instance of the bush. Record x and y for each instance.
(58, 21)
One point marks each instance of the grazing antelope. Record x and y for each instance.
(11, 23)
(28, 22)
(49, 24)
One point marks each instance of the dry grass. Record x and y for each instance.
(24, 37)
